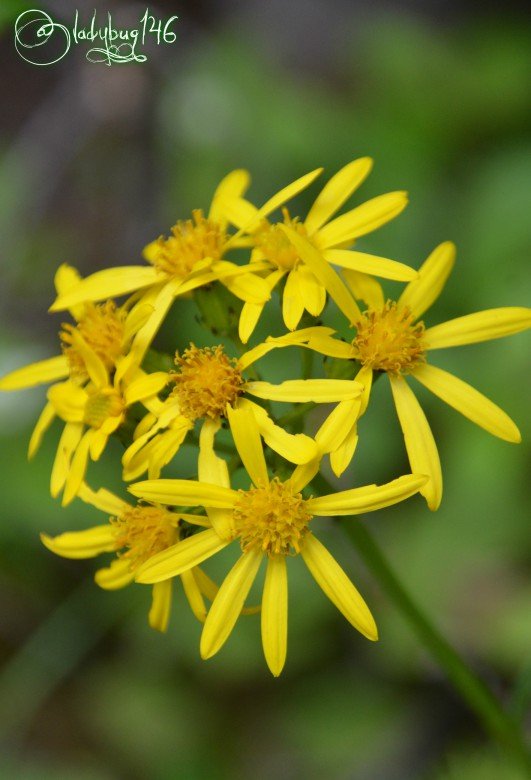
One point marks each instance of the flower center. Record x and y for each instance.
(390, 340)
(102, 327)
(101, 405)
(275, 245)
(191, 240)
(271, 518)
(144, 531)
(207, 380)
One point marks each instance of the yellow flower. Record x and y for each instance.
(190, 258)
(206, 384)
(305, 289)
(92, 413)
(106, 329)
(135, 534)
(390, 337)
(269, 520)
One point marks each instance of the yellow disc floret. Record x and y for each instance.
(144, 531)
(390, 340)
(101, 405)
(192, 240)
(102, 327)
(276, 246)
(271, 518)
(206, 382)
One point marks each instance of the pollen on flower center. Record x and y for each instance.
(144, 531)
(191, 240)
(271, 518)
(102, 327)
(275, 245)
(207, 380)
(390, 340)
(101, 405)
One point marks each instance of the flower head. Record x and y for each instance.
(270, 520)
(391, 337)
(135, 533)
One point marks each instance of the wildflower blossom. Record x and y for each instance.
(390, 337)
(193, 256)
(135, 533)
(105, 329)
(304, 289)
(270, 520)
(206, 382)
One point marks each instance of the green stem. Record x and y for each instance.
(472, 689)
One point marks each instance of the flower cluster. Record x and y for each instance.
(102, 385)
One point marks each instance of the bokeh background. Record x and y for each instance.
(95, 161)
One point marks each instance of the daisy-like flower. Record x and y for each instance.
(304, 289)
(92, 413)
(207, 381)
(106, 329)
(190, 258)
(390, 337)
(135, 533)
(270, 520)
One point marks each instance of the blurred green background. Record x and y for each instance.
(95, 161)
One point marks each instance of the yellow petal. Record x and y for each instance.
(98, 442)
(66, 278)
(163, 447)
(36, 374)
(82, 544)
(246, 437)
(115, 576)
(292, 302)
(137, 318)
(208, 586)
(362, 220)
(337, 586)
(250, 313)
(311, 291)
(159, 614)
(95, 366)
(304, 390)
(214, 470)
(248, 287)
(281, 197)
(324, 273)
(68, 401)
(193, 594)
(275, 614)
(147, 385)
(326, 345)
(297, 338)
(370, 264)
(480, 326)
(367, 498)
(341, 457)
(365, 288)
(109, 283)
(304, 473)
(46, 418)
(232, 186)
(78, 468)
(239, 212)
(184, 492)
(336, 192)
(68, 442)
(211, 468)
(148, 331)
(468, 401)
(426, 288)
(295, 447)
(180, 557)
(337, 425)
(102, 499)
(228, 603)
(420, 444)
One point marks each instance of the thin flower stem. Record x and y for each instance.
(472, 689)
